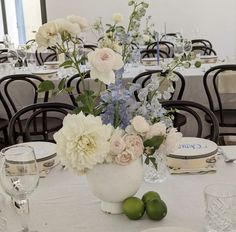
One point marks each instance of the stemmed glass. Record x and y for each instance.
(22, 53)
(178, 48)
(12, 57)
(19, 176)
(187, 47)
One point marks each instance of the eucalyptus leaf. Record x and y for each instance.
(46, 86)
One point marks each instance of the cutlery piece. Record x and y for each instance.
(225, 157)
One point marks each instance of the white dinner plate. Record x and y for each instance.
(45, 153)
(46, 74)
(168, 229)
(153, 68)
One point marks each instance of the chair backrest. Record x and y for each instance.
(202, 42)
(90, 47)
(198, 113)
(150, 53)
(169, 35)
(203, 50)
(166, 46)
(50, 55)
(34, 111)
(144, 78)
(3, 55)
(219, 84)
(75, 81)
(20, 87)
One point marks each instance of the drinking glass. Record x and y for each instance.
(220, 201)
(19, 176)
(3, 219)
(22, 53)
(12, 57)
(178, 48)
(187, 47)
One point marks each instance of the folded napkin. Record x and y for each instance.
(227, 82)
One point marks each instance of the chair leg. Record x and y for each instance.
(222, 141)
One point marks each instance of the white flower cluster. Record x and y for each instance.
(49, 34)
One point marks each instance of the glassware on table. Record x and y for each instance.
(159, 174)
(12, 57)
(220, 201)
(136, 58)
(22, 53)
(187, 47)
(178, 48)
(19, 176)
(6, 40)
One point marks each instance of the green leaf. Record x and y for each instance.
(147, 161)
(198, 64)
(66, 63)
(154, 142)
(46, 86)
(61, 84)
(69, 89)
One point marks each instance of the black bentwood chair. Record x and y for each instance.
(220, 86)
(197, 113)
(33, 112)
(13, 99)
(202, 50)
(165, 46)
(201, 42)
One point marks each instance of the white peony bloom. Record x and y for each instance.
(47, 35)
(140, 124)
(81, 21)
(146, 38)
(103, 61)
(171, 142)
(82, 142)
(117, 17)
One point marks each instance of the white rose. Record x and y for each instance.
(66, 26)
(156, 129)
(47, 35)
(103, 61)
(171, 142)
(146, 38)
(81, 21)
(82, 142)
(140, 124)
(117, 17)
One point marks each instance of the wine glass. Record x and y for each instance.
(19, 176)
(22, 53)
(178, 48)
(187, 47)
(12, 57)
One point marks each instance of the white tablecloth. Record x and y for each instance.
(63, 203)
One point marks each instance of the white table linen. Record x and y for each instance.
(63, 203)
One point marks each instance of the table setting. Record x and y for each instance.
(116, 163)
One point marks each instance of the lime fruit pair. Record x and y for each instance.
(134, 207)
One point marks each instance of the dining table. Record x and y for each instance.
(63, 202)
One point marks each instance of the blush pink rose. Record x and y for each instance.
(134, 143)
(124, 158)
(117, 144)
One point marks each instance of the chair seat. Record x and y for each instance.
(229, 116)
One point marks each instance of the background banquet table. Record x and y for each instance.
(194, 90)
(63, 202)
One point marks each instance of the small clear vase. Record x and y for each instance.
(153, 175)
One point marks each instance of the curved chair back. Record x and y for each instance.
(144, 78)
(203, 50)
(34, 111)
(202, 42)
(151, 53)
(51, 55)
(219, 81)
(198, 112)
(165, 46)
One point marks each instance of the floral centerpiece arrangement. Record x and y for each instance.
(111, 131)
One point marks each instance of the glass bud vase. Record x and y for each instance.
(153, 175)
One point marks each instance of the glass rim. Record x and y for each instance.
(217, 185)
(2, 152)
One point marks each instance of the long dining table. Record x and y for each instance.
(63, 202)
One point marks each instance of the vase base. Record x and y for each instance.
(111, 207)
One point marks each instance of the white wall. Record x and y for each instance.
(212, 19)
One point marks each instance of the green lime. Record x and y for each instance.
(151, 195)
(156, 209)
(133, 208)
(198, 64)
